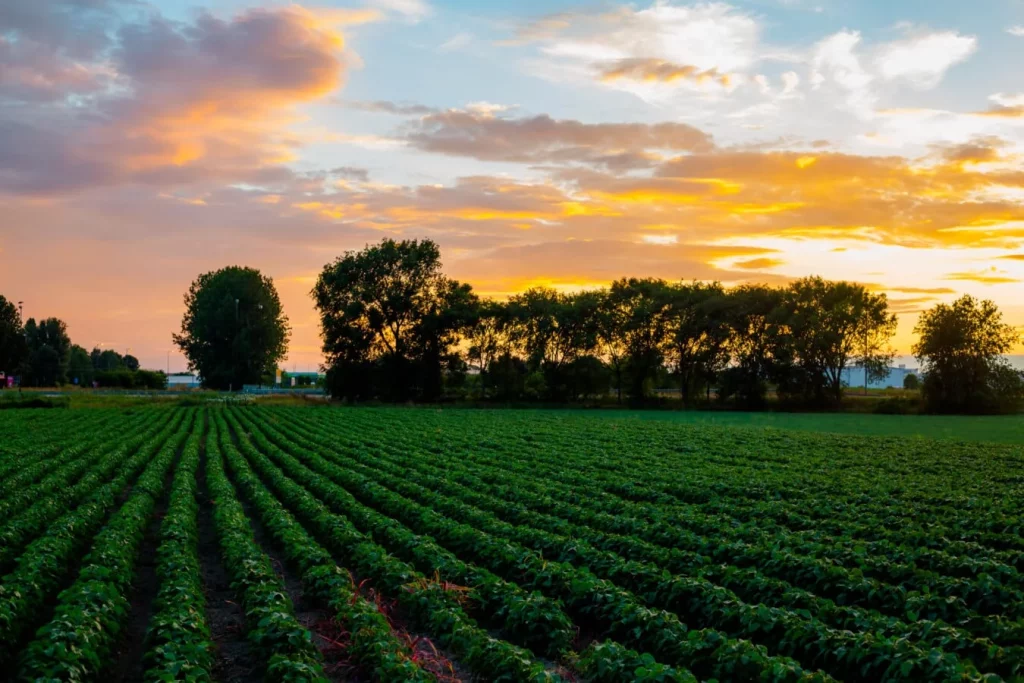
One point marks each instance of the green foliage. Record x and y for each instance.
(29, 401)
(660, 550)
(234, 330)
(49, 353)
(13, 348)
(911, 382)
(127, 379)
(389, 319)
(832, 325)
(960, 349)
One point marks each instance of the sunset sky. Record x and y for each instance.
(538, 142)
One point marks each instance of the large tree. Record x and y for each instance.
(13, 349)
(552, 331)
(829, 323)
(759, 344)
(389, 319)
(234, 331)
(49, 352)
(961, 348)
(640, 309)
(80, 367)
(106, 360)
(698, 332)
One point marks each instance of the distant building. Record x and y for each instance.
(854, 377)
(186, 381)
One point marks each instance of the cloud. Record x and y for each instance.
(922, 60)
(835, 60)
(210, 99)
(1013, 257)
(654, 45)
(542, 139)
(989, 276)
(1016, 31)
(920, 290)
(1005, 106)
(396, 108)
(412, 10)
(656, 70)
(509, 269)
(456, 42)
(976, 151)
(763, 263)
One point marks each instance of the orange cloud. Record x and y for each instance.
(661, 71)
(990, 276)
(198, 102)
(542, 139)
(759, 263)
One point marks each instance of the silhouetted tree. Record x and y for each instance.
(13, 347)
(697, 335)
(49, 352)
(961, 349)
(828, 324)
(234, 330)
(389, 318)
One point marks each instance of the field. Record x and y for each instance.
(245, 543)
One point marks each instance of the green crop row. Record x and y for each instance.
(283, 642)
(179, 645)
(618, 613)
(77, 641)
(373, 646)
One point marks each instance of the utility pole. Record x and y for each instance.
(864, 360)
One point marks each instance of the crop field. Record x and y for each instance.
(277, 543)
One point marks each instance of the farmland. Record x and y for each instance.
(245, 543)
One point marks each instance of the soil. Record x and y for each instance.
(234, 658)
(128, 654)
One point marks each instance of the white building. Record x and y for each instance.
(183, 381)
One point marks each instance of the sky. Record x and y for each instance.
(553, 143)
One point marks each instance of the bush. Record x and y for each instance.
(34, 402)
(127, 379)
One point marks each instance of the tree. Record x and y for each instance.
(13, 348)
(831, 325)
(640, 309)
(49, 352)
(698, 331)
(609, 322)
(234, 330)
(389, 318)
(758, 344)
(552, 331)
(960, 348)
(106, 360)
(911, 382)
(80, 368)
(131, 363)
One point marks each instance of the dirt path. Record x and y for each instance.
(128, 665)
(234, 658)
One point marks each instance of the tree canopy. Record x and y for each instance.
(234, 330)
(389, 320)
(960, 348)
(49, 353)
(13, 348)
(832, 325)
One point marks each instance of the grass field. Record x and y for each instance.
(281, 543)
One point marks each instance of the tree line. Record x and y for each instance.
(41, 354)
(395, 328)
